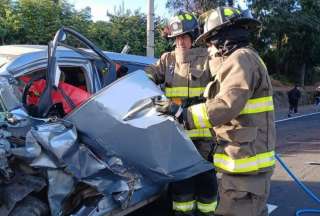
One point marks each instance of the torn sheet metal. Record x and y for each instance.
(60, 185)
(18, 188)
(153, 144)
(8, 99)
(110, 176)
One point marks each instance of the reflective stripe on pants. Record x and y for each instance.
(207, 207)
(184, 206)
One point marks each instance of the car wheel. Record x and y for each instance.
(30, 206)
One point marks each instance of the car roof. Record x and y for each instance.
(20, 55)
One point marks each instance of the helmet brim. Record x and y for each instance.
(176, 35)
(249, 23)
(179, 34)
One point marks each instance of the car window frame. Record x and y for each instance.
(85, 65)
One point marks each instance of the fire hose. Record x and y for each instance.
(299, 212)
(302, 186)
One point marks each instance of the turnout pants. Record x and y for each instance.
(244, 195)
(198, 194)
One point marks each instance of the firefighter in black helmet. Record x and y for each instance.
(240, 109)
(184, 73)
(184, 23)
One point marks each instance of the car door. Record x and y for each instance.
(53, 74)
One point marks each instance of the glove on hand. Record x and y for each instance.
(166, 107)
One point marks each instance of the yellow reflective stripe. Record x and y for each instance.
(181, 17)
(188, 16)
(243, 165)
(200, 116)
(184, 91)
(258, 105)
(203, 132)
(207, 207)
(183, 206)
(228, 12)
(185, 16)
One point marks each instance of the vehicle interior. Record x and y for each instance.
(73, 90)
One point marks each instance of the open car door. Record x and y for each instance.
(53, 73)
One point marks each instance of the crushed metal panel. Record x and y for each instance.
(8, 99)
(154, 144)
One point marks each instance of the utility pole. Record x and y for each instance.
(150, 29)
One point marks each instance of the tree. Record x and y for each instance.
(9, 23)
(36, 21)
(289, 38)
(127, 27)
(197, 6)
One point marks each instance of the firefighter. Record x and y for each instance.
(240, 109)
(184, 73)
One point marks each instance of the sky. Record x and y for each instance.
(99, 8)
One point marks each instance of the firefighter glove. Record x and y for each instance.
(167, 107)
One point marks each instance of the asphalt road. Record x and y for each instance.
(298, 142)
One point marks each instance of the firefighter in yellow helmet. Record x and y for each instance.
(239, 107)
(184, 74)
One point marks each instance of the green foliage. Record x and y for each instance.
(127, 27)
(289, 41)
(9, 22)
(290, 37)
(197, 6)
(36, 21)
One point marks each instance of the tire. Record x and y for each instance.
(30, 206)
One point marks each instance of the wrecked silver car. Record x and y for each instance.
(77, 138)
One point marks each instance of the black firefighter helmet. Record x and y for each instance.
(184, 23)
(216, 19)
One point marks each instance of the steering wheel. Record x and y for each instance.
(26, 90)
(53, 109)
(33, 109)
